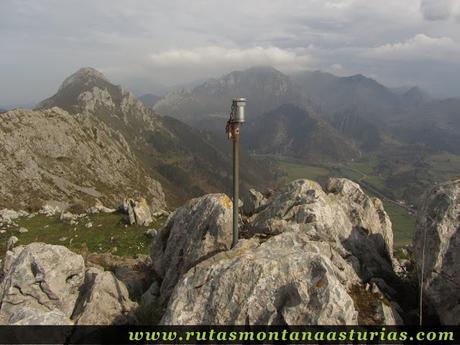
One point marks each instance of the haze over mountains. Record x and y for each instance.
(103, 130)
(321, 118)
(316, 117)
(359, 107)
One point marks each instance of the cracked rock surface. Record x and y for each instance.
(49, 285)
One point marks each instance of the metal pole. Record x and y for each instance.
(236, 181)
(233, 131)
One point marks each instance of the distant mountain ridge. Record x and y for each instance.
(186, 161)
(209, 103)
(292, 131)
(365, 112)
(149, 99)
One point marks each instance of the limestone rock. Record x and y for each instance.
(302, 202)
(8, 217)
(54, 155)
(253, 202)
(42, 277)
(68, 217)
(194, 232)
(32, 316)
(437, 248)
(10, 256)
(138, 211)
(151, 233)
(11, 242)
(135, 273)
(100, 208)
(104, 301)
(286, 280)
(52, 207)
(90, 100)
(364, 212)
(342, 213)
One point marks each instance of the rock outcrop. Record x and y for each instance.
(302, 263)
(31, 316)
(195, 231)
(308, 256)
(138, 211)
(104, 301)
(42, 277)
(285, 280)
(182, 158)
(53, 155)
(253, 201)
(50, 285)
(437, 249)
(100, 208)
(342, 212)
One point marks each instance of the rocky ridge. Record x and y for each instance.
(186, 161)
(306, 255)
(437, 250)
(301, 264)
(53, 155)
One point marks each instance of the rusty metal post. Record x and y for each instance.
(236, 181)
(237, 117)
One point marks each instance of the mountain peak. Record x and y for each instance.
(358, 78)
(86, 86)
(262, 69)
(415, 95)
(84, 75)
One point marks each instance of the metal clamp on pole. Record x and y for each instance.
(233, 132)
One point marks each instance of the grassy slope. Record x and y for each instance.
(108, 231)
(403, 222)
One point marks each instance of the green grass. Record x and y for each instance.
(296, 171)
(108, 231)
(366, 167)
(403, 224)
(445, 163)
(348, 173)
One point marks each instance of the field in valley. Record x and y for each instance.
(364, 172)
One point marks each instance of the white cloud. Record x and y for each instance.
(337, 66)
(419, 47)
(216, 57)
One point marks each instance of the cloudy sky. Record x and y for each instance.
(147, 45)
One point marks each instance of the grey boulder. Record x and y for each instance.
(341, 213)
(42, 277)
(253, 201)
(194, 232)
(138, 211)
(286, 280)
(437, 249)
(104, 301)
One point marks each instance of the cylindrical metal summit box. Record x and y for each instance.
(239, 104)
